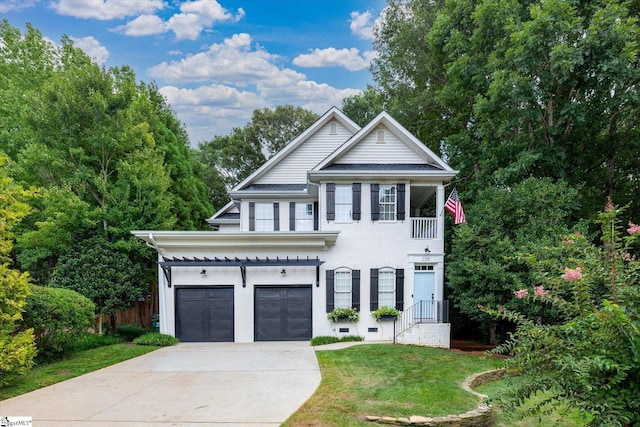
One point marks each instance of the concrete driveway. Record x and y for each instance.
(200, 384)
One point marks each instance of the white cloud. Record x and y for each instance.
(332, 57)
(361, 24)
(16, 5)
(92, 48)
(230, 62)
(143, 25)
(106, 10)
(239, 79)
(194, 17)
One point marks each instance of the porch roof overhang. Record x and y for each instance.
(220, 241)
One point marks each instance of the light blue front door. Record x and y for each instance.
(423, 289)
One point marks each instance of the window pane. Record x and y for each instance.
(343, 202)
(387, 199)
(387, 288)
(304, 216)
(264, 217)
(342, 289)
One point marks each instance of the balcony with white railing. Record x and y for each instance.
(424, 228)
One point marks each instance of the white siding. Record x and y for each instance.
(370, 151)
(293, 168)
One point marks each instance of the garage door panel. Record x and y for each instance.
(283, 313)
(204, 314)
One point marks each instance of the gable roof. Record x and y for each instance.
(429, 158)
(332, 114)
(228, 214)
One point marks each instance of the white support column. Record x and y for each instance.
(440, 211)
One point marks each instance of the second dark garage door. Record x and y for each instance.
(204, 314)
(283, 313)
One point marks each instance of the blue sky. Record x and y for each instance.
(217, 60)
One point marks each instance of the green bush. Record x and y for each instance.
(131, 331)
(326, 339)
(88, 341)
(58, 317)
(156, 338)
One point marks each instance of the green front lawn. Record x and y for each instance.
(76, 364)
(389, 380)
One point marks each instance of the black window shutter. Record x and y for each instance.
(252, 216)
(355, 208)
(330, 303)
(331, 202)
(315, 215)
(292, 216)
(374, 290)
(276, 216)
(355, 289)
(400, 289)
(400, 202)
(375, 202)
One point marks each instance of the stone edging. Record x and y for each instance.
(479, 417)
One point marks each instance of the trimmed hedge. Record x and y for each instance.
(58, 318)
(156, 338)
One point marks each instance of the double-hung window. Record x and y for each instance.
(387, 201)
(304, 216)
(387, 288)
(342, 289)
(344, 202)
(264, 217)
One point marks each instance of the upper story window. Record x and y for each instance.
(264, 216)
(304, 217)
(344, 201)
(387, 201)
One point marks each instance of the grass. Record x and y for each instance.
(389, 380)
(557, 417)
(76, 364)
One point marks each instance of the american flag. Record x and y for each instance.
(454, 206)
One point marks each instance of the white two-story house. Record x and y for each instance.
(343, 216)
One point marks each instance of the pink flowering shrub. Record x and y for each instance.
(541, 291)
(571, 275)
(522, 293)
(633, 228)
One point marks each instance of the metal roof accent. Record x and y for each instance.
(167, 263)
(382, 167)
(275, 187)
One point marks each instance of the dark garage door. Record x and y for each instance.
(204, 314)
(283, 313)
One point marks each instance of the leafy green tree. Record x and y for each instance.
(232, 158)
(484, 267)
(99, 271)
(589, 356)
(273, 129)
(17, 348)
(512, 89)
(364, 107)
